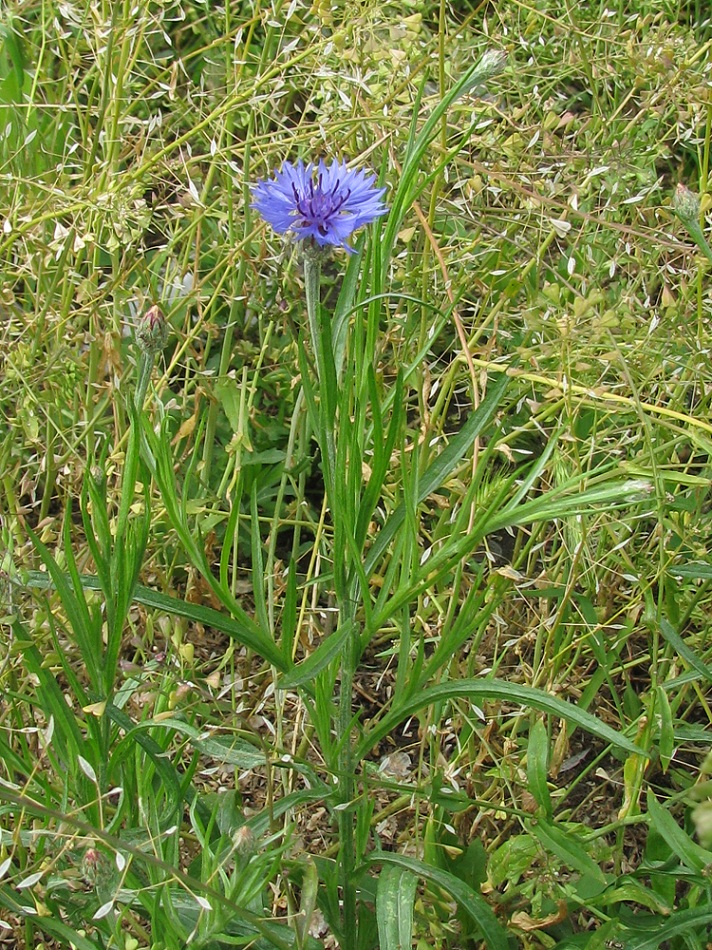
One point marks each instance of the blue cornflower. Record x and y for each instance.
(323, 204)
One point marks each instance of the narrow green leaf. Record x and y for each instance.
(129, 475)
(68, 738)
(394, 907)
(631, 890)
(229, 395)
(317, 661)
(691, 854)
(75, 607)
(134, 732)
(681, 922)
(96, 525)
(442, 466)
(231, 751)
(567, 848)
(666, 742)
(697, 570)
(159, 462)
(227, 749)
(289, 612)
(417, 145)
(382, 452)
(235, 628)
(11, 40)
(258, 567)
(307, 903)
(343, 308)
(243, 633)
(472, 617)
(307, 374)
(482, 689)
(469, 900)
(568, 500)
(678, 644)
(538, 765)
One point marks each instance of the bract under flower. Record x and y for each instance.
(319, 203)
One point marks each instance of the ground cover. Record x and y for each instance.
(359, 600)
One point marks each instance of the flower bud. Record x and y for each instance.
(152, 330)
(93, 866)
(686, 204)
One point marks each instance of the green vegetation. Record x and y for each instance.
(386, 627)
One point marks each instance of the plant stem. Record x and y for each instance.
(326, 371)
(145, 368)
(326, 429)
(349, 937)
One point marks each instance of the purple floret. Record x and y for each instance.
(314, 202)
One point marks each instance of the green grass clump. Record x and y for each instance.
(395, 636)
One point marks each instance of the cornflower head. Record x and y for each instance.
(320, 204)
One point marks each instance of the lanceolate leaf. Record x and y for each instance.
(468, 899)
(394, 907)
(319, 659)
(483, 689)
(688, 851)
(567, 849)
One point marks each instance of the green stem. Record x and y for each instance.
(349, 937)
(145, 368)
(321, 342)
(697, 235)
(326, 428)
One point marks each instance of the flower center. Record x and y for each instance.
(317, 207)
